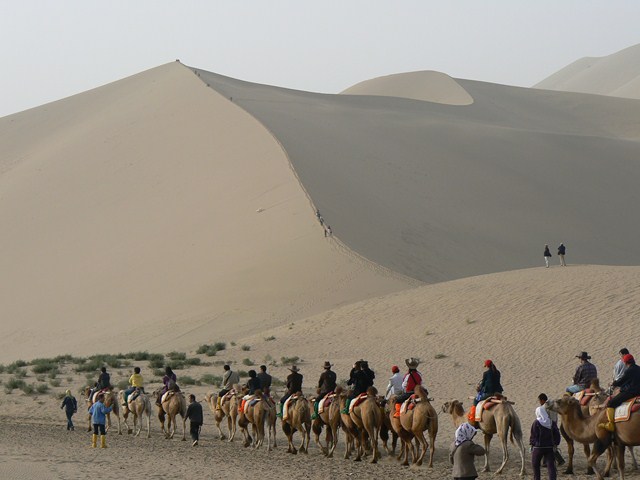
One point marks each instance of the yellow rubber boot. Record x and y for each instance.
(94, 441)
(103, 441)
(610, 425)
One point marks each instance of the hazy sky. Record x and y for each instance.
(51, 49)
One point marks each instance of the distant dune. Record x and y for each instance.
(617, 75)
(429, 86)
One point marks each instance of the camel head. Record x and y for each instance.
(563, 404)
(372, 391)
(208, 396)
(454, 406)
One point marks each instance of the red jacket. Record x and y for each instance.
(411, 379)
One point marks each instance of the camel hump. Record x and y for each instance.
(372, 391)
(258, 393)
(420, 392)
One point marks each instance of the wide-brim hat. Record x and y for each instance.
(583, 356)
(412, 362)
(294, 369)
(327, 364)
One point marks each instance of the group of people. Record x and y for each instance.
(561, 253)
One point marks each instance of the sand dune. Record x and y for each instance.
(617, 75)
(438, 192)
(429, 86)
(153, 213)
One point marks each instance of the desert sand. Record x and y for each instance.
(617, 75)
(176, 208)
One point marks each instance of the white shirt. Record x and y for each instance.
(395, 385)
(618, 370)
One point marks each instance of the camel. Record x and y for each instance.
(138, 407)
(367, 417)
(422, 417)
(263, 411)
(228, 410)
(172, 406)
(330, 418)
(500, 419)
(109, 401)
(348, 426)
(406, 437)
(298, 419)
(584, 429)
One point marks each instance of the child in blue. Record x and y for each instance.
(98, 412)
(70, 406)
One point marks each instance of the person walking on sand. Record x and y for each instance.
(194, 414)
(547, 255)
(98, 412)
(544, 440)
(70, 405)
(561, 252)
(463, 452)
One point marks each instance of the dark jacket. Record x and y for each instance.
(327, 382)
(294, 383)
(253, 384)
(462, 458)
(561, 250)
(104, 381)
(490, 383)
(630, 380)
(265, 381)
(547, 253)
(360, 382)
(542, 437)
(370, 375)
(194, 413)
(69, 404)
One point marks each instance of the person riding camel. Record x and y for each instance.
(103, 383)
(265, 380)
(229, 379)
(395, 383)
(360, 381)
(489, 385)
(629, 385)
(585, 373)
(620, 367)
(370, 373)
(326, 385)
(253, 383)
(294, 385)
(169, 384)
(412, 378)
(135, 382)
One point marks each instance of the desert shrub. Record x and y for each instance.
(53, 374)
(269, 338)
(187, 380)
(233, 344)
(96, 362)
(42, 388)
(177, 355)
(247, 361)
(15, 366)
(289, 360)
(245, 348)
(438, 356)
(20, 373)
(40, 378)
(193, 361)
(60, 395)
(176, 364)
(55, 382)
(156, 363)
(60, 359)
(158, 372)
(276, 382)
(138, 356)
(69, 379)
(13, 383)
(2, 368)
(44, 366)
(209, 379)
(243, 373)
(211, 350)
(27, 389)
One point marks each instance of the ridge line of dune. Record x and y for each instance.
(341, 247)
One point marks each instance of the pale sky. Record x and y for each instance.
(51, 49)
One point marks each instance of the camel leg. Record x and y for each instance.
(487, 443)
(432, 445)
(148, 414)
(505, 451)
(374, 440)
(633, 459)
(520, 444)
(587, 454)
(419, 435)
(334, 440)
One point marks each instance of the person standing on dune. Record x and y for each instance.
(561, 252)
(547, 255)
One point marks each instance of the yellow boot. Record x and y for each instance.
(103, 441)
(610, 425)
(94, 441)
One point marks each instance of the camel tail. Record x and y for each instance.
(516, 428)
(317, 428)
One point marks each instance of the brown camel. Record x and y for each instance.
(406, 437)
(330, 418)
(500, 419)
(367, 417)
(584, 429)
(422, 417)
(173, 405)
(228, 410)
(348, 426)
(109, 401)
(138, 407)
(263, 411)
(298, 419)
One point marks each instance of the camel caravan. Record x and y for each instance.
(602, 421)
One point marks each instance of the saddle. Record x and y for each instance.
(287, 404)
(94, 397)
(326, 401)
(488, 404)
(624, 411)
(409, 404)
(357, 401)
(251, 399)
(167, 395)
(584, 396)
(227, 396)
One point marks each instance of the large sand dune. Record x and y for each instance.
(153, 213)
(438, 192)
(617, 75)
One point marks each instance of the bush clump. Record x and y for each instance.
(15, 366)
(211, 350)
(177, 355)
(245, 348)
(289, 360)
(247, 361)
(209, 379)
(193, 361)
(187, 380)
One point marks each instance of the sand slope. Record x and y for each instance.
(439, 192)
(429, 86)
(130, 221)
(617, 75)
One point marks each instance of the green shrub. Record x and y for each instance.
(2, 368)
(44, 365)
(245, 348)
(158, 372)
(243, 373)
(14, 383)
(55, 382)
(15, 366)
(156, 363)
(42, 388)
(438, 356)
(233, 344)
(40, 378)
(269, 338)
(211, 350)
(247, 361)
(187, 380)
(289, 360)
(53, 374)
(276, 382)
(27, 389)
(20, 373)
(177, 355)
(138, 356)
(209, 379)
(193, 361)
(176, 364)
(95, 362)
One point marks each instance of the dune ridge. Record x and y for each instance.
(616, 75)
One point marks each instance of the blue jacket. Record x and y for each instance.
(98, 413)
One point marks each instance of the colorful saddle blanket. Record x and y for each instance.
(486, 405)
(326, 401)
(357, 401)
(409, 404)
(584, 396)
(227, 396)
(624, 411)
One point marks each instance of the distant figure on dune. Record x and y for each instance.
(327, 231)
(547, 255)
(585, 372)
(70, 405)
(561, 251)
(319, 217)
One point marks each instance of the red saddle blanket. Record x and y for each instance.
(326, 401)
(492, 402)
